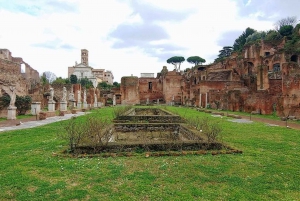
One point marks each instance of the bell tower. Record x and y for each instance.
(85, 57)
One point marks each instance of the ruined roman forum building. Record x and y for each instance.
(83, 70)
(262, 78)
(15, 71)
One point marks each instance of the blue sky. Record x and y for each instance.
(130, 37)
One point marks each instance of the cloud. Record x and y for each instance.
(53, 44)
(150, 13)
(39, 7)
(228, 38)
(67, 46)
(145, 31)
(268, 9)
(132, 34)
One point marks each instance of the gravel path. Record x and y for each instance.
(32, 122)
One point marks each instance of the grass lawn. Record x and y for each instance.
(268, 169)
(18, 117)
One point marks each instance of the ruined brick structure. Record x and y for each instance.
(11, 74)
(26, 80)
(262, 78)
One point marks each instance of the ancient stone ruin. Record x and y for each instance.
(262, 79)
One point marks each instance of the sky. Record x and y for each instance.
(130, 37)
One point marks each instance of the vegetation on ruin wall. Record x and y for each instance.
(23, 103)
(31, 168)
(284, 31)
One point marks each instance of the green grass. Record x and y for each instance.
(18, 117)
(30, 168)
(266, 116)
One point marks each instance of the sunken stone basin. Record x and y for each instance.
(151, 129)
(148, 115)
(154, 132)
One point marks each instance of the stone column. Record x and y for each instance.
(147, 102)
(114, 100)
(95, 100)
(173, 98)
(63, 106)
(157, 101)
(35, 108)
(206, 100)
(85, 105)
(79, 104)
(11, 112)
(200, 99)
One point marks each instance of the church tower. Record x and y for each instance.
(85, 57)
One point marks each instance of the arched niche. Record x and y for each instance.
(294, 58)
(250, 68)
(276, 67)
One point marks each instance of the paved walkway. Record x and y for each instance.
(31, 124)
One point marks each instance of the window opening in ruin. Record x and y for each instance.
(267, 53)
(294, 58)
(23, 70)
(203, 78)
(250, 68)
(150, 85)
(195, 81)
(276, 67)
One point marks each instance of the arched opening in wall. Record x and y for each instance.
(294, 58)
(203, 78)
(276, 67)
(250, 68)
(150, 85)
(23, 68)
(195, 81)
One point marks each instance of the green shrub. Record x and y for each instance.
(23, 103)
(4, 101)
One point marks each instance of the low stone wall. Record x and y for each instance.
(135, 127)
(150, 119)
(188, 134)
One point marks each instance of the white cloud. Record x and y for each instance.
(49, 35)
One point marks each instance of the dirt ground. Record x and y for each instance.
(290, 123)
(8, 123)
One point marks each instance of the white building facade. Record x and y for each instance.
(83, 70)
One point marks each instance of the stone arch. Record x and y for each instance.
(294, 58)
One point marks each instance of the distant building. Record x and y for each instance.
(83, 70)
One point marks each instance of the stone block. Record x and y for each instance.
(61, 113)
(11, 113)
(42, 115)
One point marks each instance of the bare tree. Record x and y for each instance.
(285, 21)
(49, 76)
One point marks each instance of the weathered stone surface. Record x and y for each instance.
(42, 115)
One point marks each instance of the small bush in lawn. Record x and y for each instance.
(93, 132)
(210, 129)
(118, 111)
